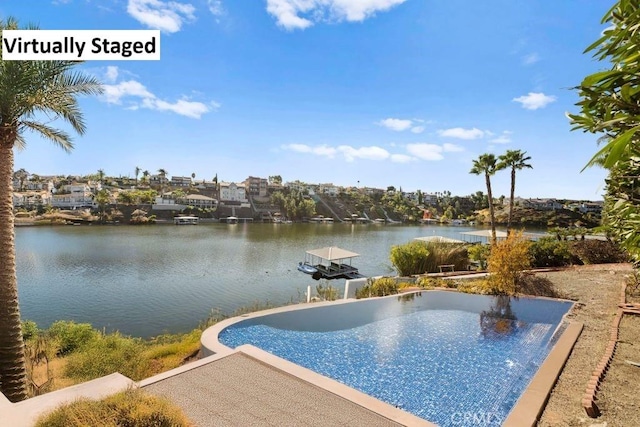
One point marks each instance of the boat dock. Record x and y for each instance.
(330, 263)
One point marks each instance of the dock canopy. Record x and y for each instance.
(332, 253)
(486, 234)
(439, 239)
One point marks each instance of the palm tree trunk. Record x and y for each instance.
(13, 374)
(511, 200)
(491, 212)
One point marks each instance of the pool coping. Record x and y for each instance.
(526, 412)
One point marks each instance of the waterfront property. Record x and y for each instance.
(433, 354)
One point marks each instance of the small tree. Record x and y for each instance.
(508, 259)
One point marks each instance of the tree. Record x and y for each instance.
(137, 173)
(608, 105)
(27, 90)
(487, 164)
(275, 179)
(21, 175)
(100, 175)
(514, 160)
(145, 176)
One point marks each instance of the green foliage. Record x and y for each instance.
(609, 105)
(410, 258)
(507, 261)
(327, 292)
(418, 257)
(550, 252)
(378, 288)
(598, 252)
(106, 355)
(294, 204)
(479, 253)
(71, 335)
(128, 408)
(29, 330)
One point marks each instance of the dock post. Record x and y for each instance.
(309, 293)
(346, 289)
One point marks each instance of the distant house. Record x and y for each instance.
(542, 204)
(157, 180)
(233, 192)
(199, 201)
(373, 191)
(180, 181)
(591, 207)
(429, 199)
(73, 196)
(256, 186)
(296, 185)
(328, 189)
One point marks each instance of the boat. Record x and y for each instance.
(306, 268)
(232, 220)
(330, 263)
(185, 220)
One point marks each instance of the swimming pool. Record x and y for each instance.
(439, 355)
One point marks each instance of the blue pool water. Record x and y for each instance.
(438, 364)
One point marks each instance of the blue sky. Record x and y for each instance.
(353, 92)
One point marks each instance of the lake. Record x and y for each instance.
(146, 280)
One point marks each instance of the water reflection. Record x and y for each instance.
(499, 320)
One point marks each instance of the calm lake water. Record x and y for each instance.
(144, 281)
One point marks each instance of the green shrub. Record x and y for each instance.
(71, 335)
(129, 408)
(29, 330)
(550, 252)
(378, 288)
(593, 251)
(506, 263)
(327, 292)
(410, 258)
(419, 257)
(479, 253)
(106, 355)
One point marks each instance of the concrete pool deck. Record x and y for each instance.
(238, 389)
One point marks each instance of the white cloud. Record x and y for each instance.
(167, 16)
(400, 125)
(369, 153)
(462, 133)
(530, 59)
(182, 107)
(402, 158)
(535, 100)
(288, 12)
(426, 151)
(114, 93)
(396, 124)
(320, 150)
(138, 96)
(503, 138)
(111, 74)
(451, 148)
(215, 7)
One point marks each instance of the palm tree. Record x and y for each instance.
(145, 176)
(100, 175)
(487, 164)
(137, 173)
(28, 89)
(516, 160)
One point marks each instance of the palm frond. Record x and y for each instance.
(57, 136)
